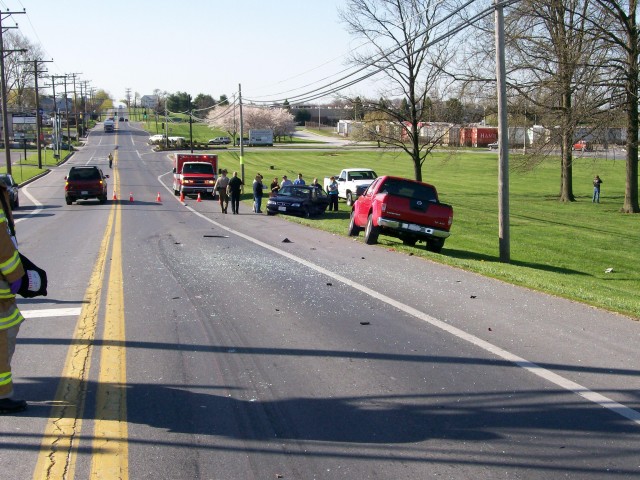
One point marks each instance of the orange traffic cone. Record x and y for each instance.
(115, 196)
(181, 197)
(158, 199)
(131, 196)
(199, 199)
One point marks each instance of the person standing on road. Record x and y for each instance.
(235, 185)
(258, 189)
(596, 189)
(110, 159)
(299, 180)
(332, 190)
(11, 273)
(221, 187)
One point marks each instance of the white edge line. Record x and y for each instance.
(529, 366)
(36, 203)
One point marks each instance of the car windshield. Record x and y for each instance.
(403, 188)
(197, 168)
(84, 174)
(291, 191)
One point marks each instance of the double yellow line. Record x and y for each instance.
(63, 433)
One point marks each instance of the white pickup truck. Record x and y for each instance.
(352, 182)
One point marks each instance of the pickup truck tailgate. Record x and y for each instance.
(418, 211)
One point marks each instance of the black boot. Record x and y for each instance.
(9, 405)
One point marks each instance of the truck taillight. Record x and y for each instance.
(383, 207)
(450, 220)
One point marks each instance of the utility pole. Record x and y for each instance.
(36, 75)
(128, 98)
(56, 118)
(241, 133)
(66, 112)
(3, 88)
(503, 138)
(75, 103)
(190, 124)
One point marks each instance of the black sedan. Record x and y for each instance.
(302, 200)
(12, 188)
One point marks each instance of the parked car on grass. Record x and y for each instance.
(84, 182)
(494, 146)
(12, 188)
(219, 141)
(156, 139)
(582, 146)
(402, 208)
(303, 200)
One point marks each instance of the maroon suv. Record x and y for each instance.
(84, 183)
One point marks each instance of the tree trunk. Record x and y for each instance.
(631, 185)
(566, 175)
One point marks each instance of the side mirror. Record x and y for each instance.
(66, 178)
(106, 176)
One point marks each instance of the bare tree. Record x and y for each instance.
(623, 36)
(401, 34)
(19, 68)
(557, 66)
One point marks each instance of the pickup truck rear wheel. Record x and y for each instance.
(435, 245)
(354, 230)
(371, 232)
(349, 199)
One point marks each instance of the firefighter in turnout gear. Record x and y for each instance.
(11, 273)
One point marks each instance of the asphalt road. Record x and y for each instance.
(178, 342)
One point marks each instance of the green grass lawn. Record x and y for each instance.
(562, 249)
(24, 169)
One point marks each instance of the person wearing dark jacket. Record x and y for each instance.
(258, 189)
(235, 186)
(596, 189)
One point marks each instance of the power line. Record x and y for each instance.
(347, 80)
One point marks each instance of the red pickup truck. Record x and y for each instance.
(402, 208)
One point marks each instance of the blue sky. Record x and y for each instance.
(273, 48)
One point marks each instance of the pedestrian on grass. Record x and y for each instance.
(596, 189)
(332, 190)
(315, 184)
(234, 188)
(258, 189)
(275, 187)
(11, 273)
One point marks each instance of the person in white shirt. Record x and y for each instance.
(285, 181)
